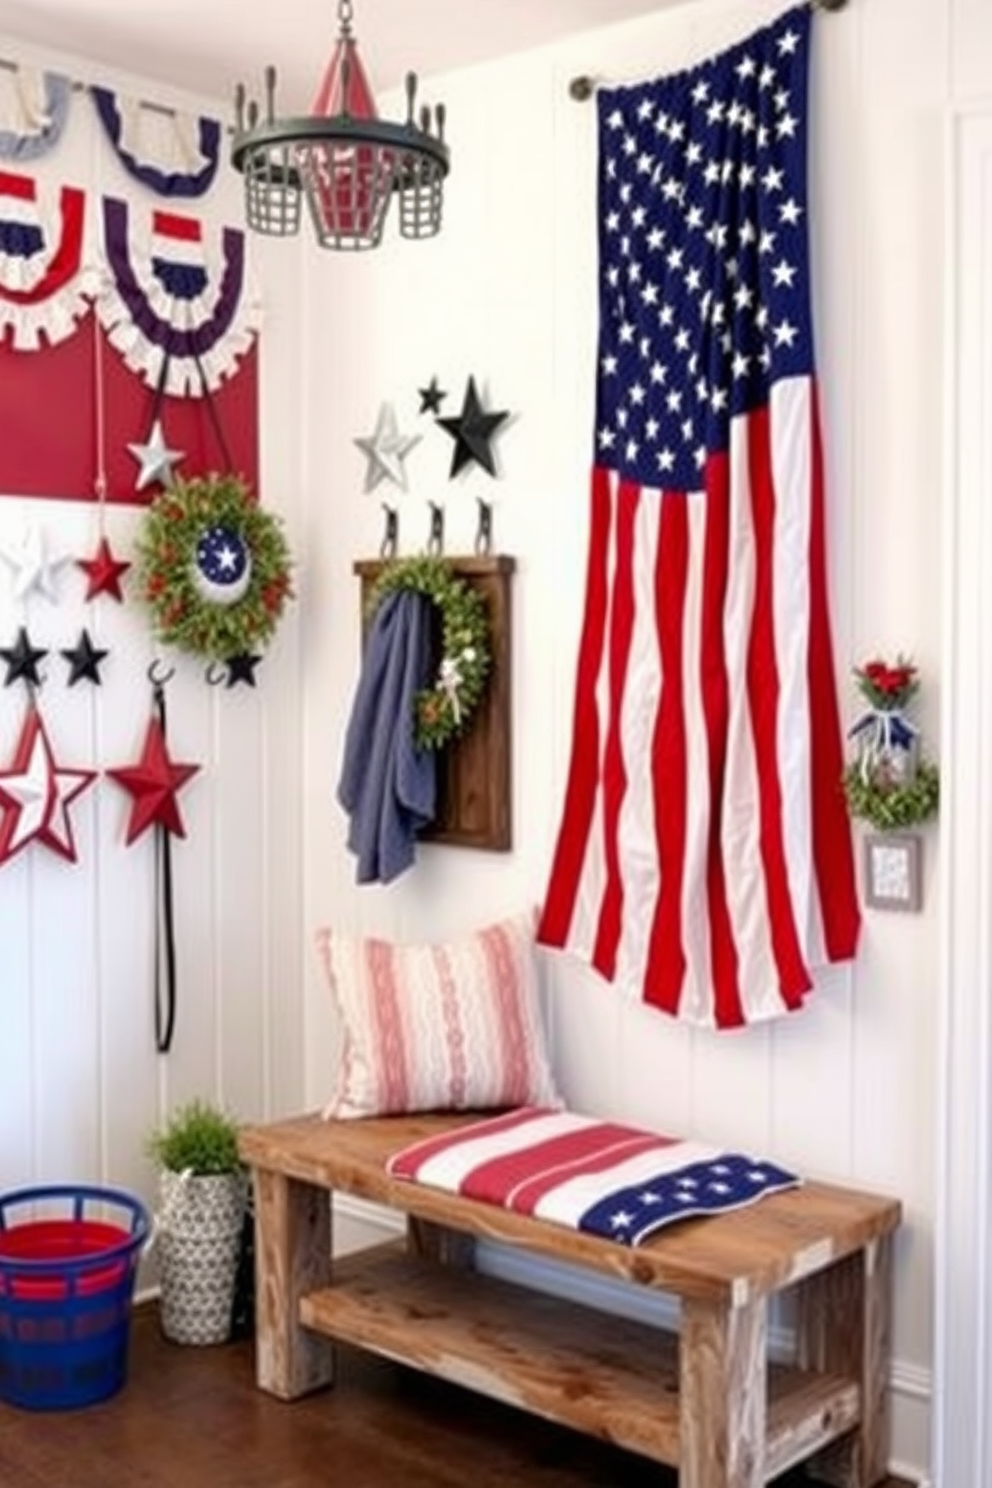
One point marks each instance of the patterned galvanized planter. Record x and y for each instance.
(199, 1234)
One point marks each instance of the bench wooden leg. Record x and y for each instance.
(722, 1395)
(292, 1256)
(844, 1327)
(440, 1243)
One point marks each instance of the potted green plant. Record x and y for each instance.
(203, 1186)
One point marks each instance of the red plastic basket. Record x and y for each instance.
(66, 1283)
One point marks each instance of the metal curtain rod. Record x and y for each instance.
(583, 87)
(8, 65)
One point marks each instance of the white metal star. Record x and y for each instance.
(35, 795)
(34, 566)
(155, 458)
(386, 449)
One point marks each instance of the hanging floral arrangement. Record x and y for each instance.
(213, 568)
(889, 783)
(444, 711)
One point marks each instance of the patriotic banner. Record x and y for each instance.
(171, 153)
(44, 284)
(34, 106)
(169, 298)
(173, 339)
(704, 860)
(615, 1181)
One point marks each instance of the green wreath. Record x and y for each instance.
(445, 710)
(891, 808)
(186, 610)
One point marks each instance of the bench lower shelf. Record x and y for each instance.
(604, 1375)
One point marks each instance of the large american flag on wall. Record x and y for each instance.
(703, 861)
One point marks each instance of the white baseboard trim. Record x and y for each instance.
(911, 1385)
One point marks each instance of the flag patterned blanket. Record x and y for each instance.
(597, 1176)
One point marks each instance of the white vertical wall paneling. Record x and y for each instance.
(971, 30)
(240, 891)
(963, 1446)
(282, 385)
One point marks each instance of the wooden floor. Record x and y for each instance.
(192, 1418)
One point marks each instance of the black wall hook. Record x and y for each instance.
(390, 532)
(435, 542)
(484, 531)
(159, 673)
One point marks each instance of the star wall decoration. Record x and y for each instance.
(34, 567)
(472, 430)
(431, 397)
(241, 668)
(155, 459)
(84, 660)
(103, 572)
(152, 784)
(36, 793)
(22, 660)
(386, 449)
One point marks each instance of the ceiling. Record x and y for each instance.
(206, 46)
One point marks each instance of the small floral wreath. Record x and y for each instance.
(213, 567)
(445, 710)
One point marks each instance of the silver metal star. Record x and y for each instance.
(155, 458)
(35, 568)
(386, 449)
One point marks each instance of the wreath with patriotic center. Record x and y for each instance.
(444, 711)
(213, 567)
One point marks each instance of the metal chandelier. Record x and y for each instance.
(346, 161)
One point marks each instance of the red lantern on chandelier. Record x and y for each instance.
(342, 157)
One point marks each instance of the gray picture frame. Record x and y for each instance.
(893, 871)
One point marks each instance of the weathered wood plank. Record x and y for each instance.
(292, 1256)
(727, 1258)
(843, 1325)
(607, 1376)
(722, 1396)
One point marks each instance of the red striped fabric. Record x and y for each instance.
(703, 860)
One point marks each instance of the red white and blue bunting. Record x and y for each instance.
(34, 106)
(172, 153)
(45, 284)
(169, 301)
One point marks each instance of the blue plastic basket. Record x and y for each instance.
(68, 1260)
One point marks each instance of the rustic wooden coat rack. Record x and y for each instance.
(474, 775)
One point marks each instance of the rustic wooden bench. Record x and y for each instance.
(707, 1401)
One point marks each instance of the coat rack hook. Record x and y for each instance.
(390, 533)
(435, 541)
(484, 531)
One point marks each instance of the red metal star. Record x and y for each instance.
(35, 795)
(153, 783)
(103, 572)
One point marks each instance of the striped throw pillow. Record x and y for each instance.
(429, 1027)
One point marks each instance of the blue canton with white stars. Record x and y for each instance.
(730, 1181)
(222, 555)
(703, 262)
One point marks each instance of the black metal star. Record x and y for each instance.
(472, 430)
(431, 397)
(22, 660)
(84, 660)
(241, 668)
